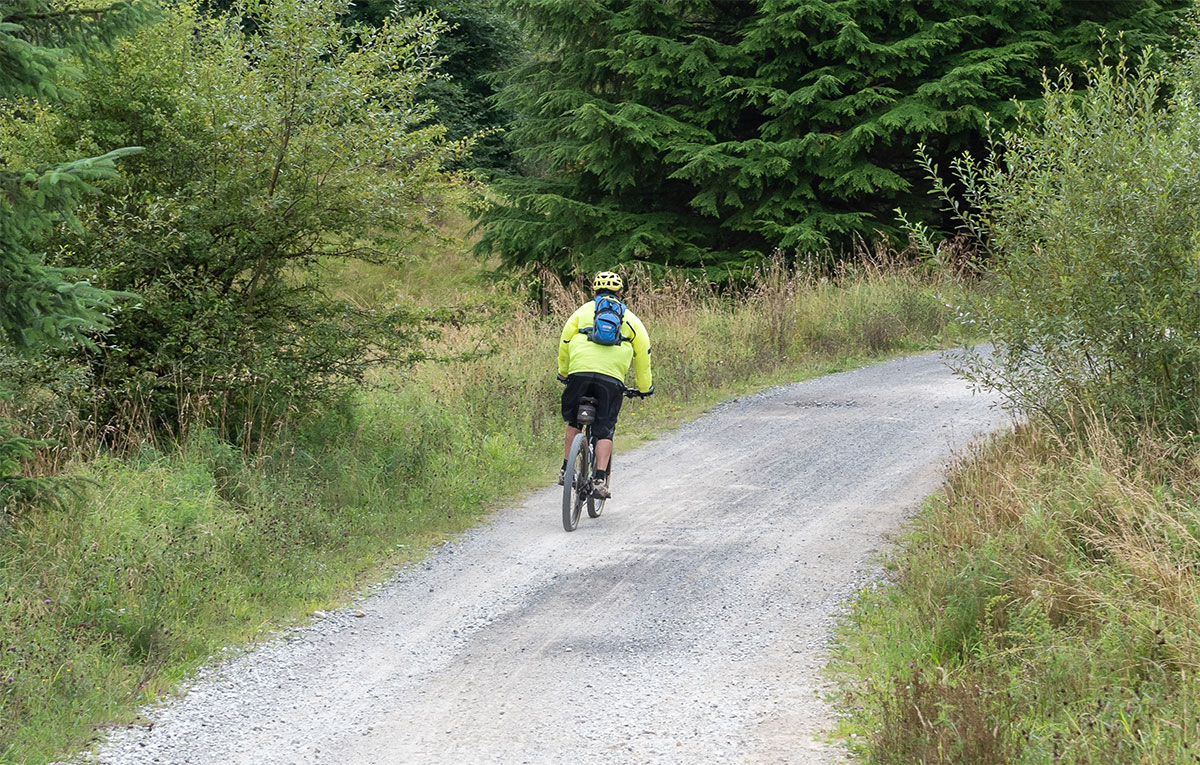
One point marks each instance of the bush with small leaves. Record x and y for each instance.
(277, 141)
(1091, 216)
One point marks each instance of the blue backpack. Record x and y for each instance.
(606, 327)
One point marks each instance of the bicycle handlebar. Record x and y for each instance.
(626, 391)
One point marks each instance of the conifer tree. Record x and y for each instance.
(41, 305)
(601, 117)
(703, 134)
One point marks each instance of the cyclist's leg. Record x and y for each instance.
(574, 390)
(604, 449)
(608, 408)
(572, 431)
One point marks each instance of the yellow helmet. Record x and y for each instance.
(607, 280)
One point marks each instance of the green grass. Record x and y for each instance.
(1044, 608)
(172, 553)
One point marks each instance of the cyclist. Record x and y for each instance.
(591, 368)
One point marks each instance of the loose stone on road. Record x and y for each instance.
(688, 624)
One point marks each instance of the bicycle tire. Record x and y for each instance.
(575, 482)
(596, 506)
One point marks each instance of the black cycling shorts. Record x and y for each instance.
(607, 392)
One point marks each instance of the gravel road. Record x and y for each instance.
(685, 625)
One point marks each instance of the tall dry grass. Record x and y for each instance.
(1046, 609)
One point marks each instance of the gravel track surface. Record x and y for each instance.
(687, 624)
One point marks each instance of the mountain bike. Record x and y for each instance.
(581, 463)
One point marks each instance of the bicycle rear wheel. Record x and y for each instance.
(575, 482)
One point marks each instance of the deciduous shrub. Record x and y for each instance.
(268, 154)
(1090, 213)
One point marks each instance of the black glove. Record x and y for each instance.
(647, 393)
(562, 379)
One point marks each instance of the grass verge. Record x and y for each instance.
(172, 552)
(1044, 608)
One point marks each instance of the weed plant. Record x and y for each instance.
(175, 550)
(1044, 608)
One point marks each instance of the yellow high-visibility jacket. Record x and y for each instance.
(578, 354)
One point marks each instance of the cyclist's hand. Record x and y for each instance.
(562, 379)
(648, 393)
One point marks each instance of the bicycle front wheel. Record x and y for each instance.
(575, 482)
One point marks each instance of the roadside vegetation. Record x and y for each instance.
(1043, 608)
